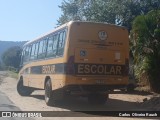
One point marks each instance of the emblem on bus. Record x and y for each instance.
(102, 35)
(83, 53)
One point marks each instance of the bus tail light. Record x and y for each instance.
(126, 70)
(70, 68)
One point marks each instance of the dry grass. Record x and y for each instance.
(143, 88)
(13, 74)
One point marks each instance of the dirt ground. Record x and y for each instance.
(117, 102)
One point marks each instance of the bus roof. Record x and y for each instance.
(36, 39)
(68, 24)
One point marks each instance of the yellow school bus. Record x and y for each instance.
(78, 58)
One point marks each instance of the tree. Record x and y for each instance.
(145, 45)
(121, 12)
(11, 57)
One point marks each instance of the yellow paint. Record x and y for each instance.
(84, 36)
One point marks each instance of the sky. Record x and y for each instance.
(23, 20)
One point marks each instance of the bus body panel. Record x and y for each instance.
(102, 56)
(101, 62)
(43, 69)
(108, 53)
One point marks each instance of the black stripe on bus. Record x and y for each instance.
(80, 69)
(49, 69)
(99, 69)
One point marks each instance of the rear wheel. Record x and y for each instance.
(52, 96)
(48, 93)
(97, 98)
(23, 90)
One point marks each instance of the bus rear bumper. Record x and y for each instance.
(82, 90)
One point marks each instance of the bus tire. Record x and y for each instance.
(23, 90)
(48, 93)
(97, 98)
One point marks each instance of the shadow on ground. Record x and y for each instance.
(135, 92)
(83, 108)
(81, 104)
(41, 97)
(143, 93)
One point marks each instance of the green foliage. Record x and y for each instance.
(11, 57)
(4, 45)
(145, 41)
(121, 12)
(0, 65)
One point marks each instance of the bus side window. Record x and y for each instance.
(61, 42)
(33, 51)
(22, 57)
(50, 46)
(42, 49)
(27, 54)
(55, 42)
(36, 50)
